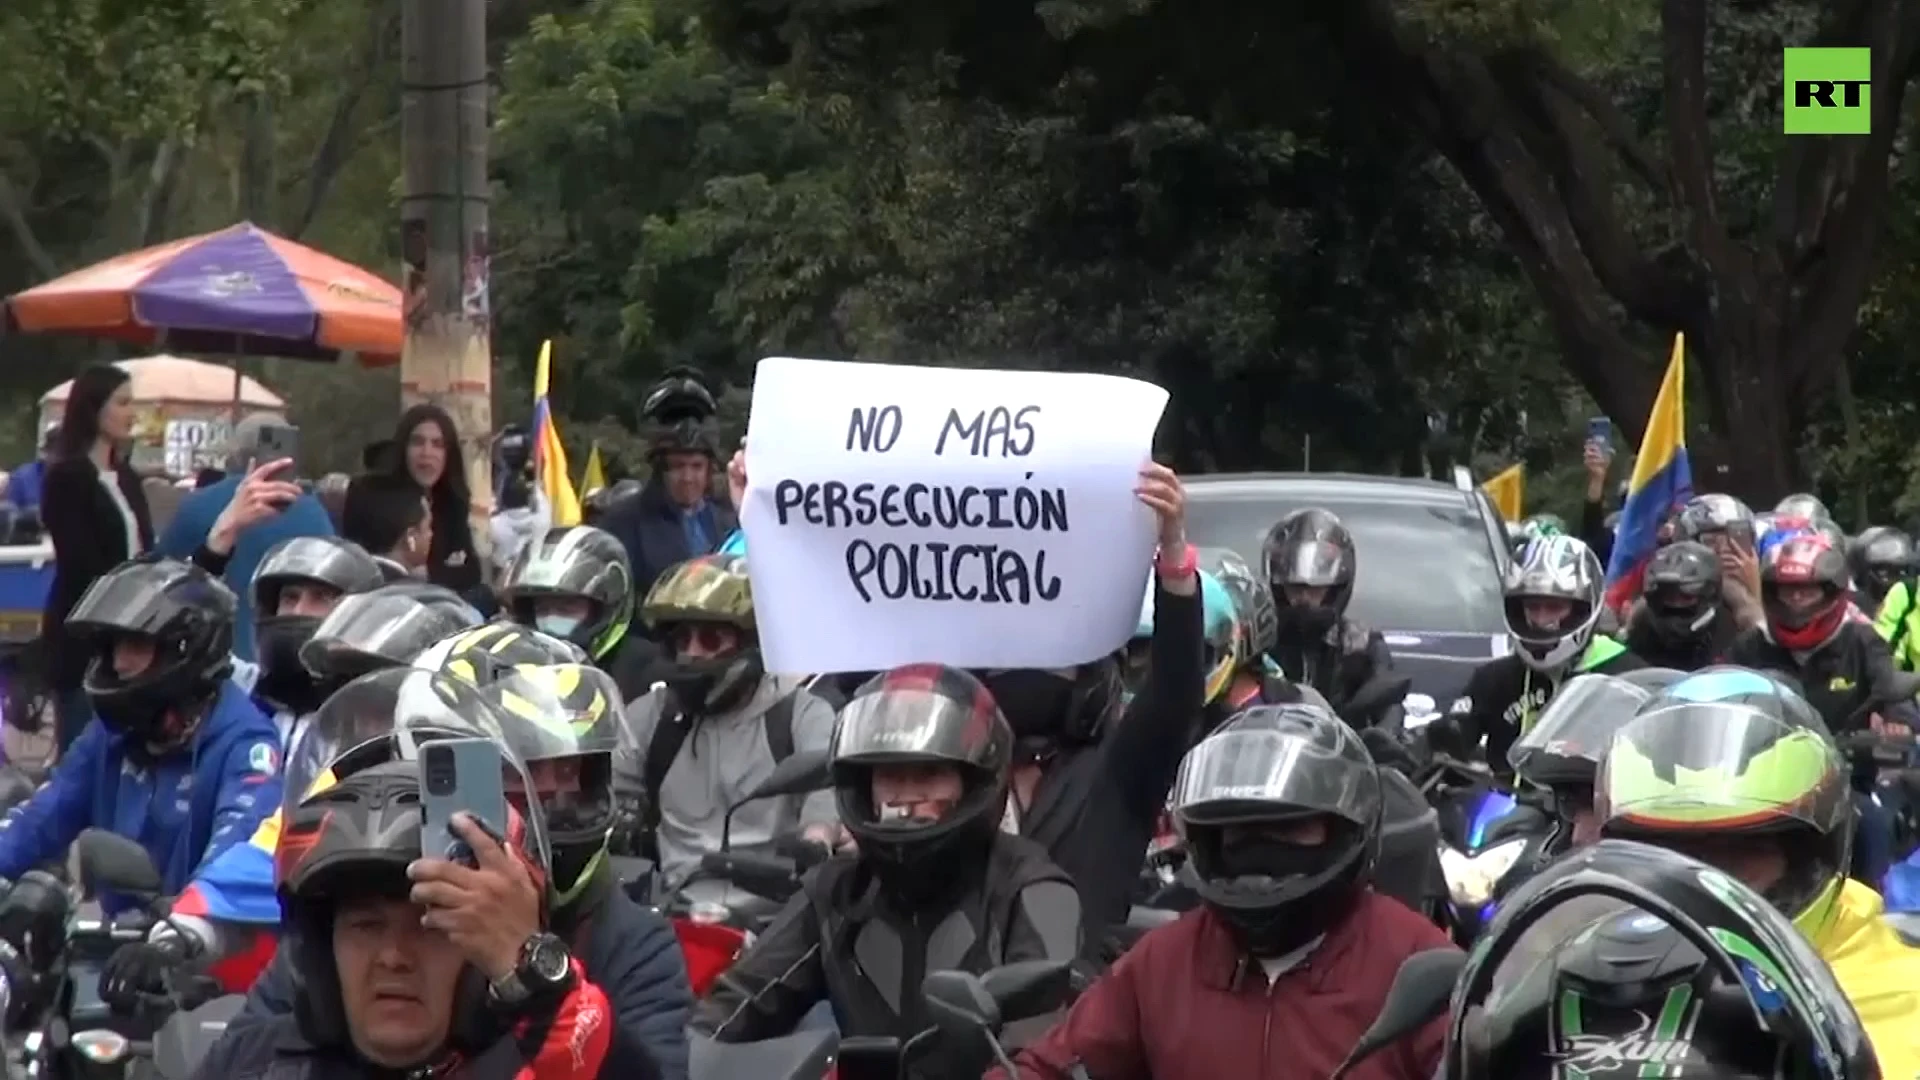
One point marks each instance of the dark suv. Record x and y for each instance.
(1431, 558)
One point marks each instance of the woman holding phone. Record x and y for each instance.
(96, 516)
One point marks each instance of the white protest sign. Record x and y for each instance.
(983, 519)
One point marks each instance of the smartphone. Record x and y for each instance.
(459, 775)
(1600, 430)
(279, 441)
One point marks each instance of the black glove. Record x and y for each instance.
(138, 968)
(1443, 736)
(1387, 750)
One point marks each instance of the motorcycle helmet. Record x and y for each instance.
(1553, 569)
(1681, 591)
(681, 394)
(355, 839)
(1253, 605)
(687, 605)
(1797, 568)
(1730, 757)
(1239, 800)
(1561, 752)
(338, 568)
(512, 451)
(1881, 557)
(1535, 526)
(1706, 517)
(382, 628)
(1625, 960)
(580, 564)
(187, 615)
(563, 720)
(481, 655)
(925, 715)
(1804, 506)
(1310, 549)
(1220, 638)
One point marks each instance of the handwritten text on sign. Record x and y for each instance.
(979, 518)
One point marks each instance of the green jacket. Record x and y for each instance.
(1899, 622)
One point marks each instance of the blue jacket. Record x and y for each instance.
(194, 520)
(25, 484)
(185, 810)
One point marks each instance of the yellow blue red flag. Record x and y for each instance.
(1662, 480)
(549, 456)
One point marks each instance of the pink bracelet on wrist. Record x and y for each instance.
(1182, 562)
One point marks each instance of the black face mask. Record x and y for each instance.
(1304, 624)
(1035, 702)
(284, 680)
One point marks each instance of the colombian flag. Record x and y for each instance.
(1662, 480)
(549, 457)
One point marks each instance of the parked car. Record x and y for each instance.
(1431, 559)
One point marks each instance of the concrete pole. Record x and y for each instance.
(443, 220)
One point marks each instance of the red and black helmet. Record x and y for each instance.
(1808, 560)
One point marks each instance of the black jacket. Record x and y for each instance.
(89, 538)
(1337, 665)
(1504, 696)
(1845, 680)
(1096, 807)
(649, 526)
(630, 952)
(1705, 650)
(841, 940)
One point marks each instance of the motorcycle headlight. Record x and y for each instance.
(100, 1046)
(1471, 878)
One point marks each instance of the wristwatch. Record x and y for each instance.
(544, 967)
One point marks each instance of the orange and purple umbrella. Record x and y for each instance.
(239, 291)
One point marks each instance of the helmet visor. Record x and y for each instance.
(377, 628)
(1255, 775)
(901, 725)
(1720, 766)
(313, 558)
(560, 710)
(142, 598)
(1320, 563)
(1577, 726)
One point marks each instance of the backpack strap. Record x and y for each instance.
(669, 734)
(779, 722)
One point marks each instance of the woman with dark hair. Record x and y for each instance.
(428, 454)
(95, 513)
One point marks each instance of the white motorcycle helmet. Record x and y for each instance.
(1554, 568)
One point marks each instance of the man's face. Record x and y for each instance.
(689, 478)
(133, 654)
(1801, 598)
(308, 598)
(916, 792)
(1547, 612)
(396, 981)
(1306, 596)
(704, 641)
(1758, 861)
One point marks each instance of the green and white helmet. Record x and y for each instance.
(1553, 568)
(576, 562)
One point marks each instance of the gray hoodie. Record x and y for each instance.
(723, 758)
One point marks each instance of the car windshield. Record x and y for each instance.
(1421, 567)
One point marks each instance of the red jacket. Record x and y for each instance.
(1185, 1003)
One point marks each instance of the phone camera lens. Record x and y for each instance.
(440, 774)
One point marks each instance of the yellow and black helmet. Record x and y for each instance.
(484, 654)
(710, 589)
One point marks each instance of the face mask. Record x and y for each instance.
(1298, 624)
(560, 626)
(284, 680)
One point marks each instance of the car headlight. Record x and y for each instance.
(1471, 879)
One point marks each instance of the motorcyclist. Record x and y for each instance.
(1734, 769)
(920, 767)
(1561, 753)
(1885, 563)
(1554, 594)
(1280, 810)
(1222, 641)
(1311, 562)
(1254, 679)
(177, 756)
(230, 913)
(1694, 976)
(701, 742)
(1726, 525)
(574, 583)
(1682, 620)
(412, 966)
(299, 582)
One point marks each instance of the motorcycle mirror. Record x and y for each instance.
(803, 771)
(959, 1002)
(111, 861)
(1028, 988)
(1420, 992)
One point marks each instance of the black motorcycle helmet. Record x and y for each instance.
(1052, 708)
(1310, 549)
(564, 720)
(1561, 752)
(932, 716)
(328, 562)
(187, 614)
(1240, 801)
(1622, 958)
(382, 628)
(1681, 591)
(1880, 557)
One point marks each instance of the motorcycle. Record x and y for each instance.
(78, 1034)
(967, 1010)
(1489, 838)
(758, 879)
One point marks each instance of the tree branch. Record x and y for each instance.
(1683, 63)
(337, 146)
(14, 212)
(150, 217)
(1613, 123)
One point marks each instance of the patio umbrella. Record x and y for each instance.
(241, 291)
